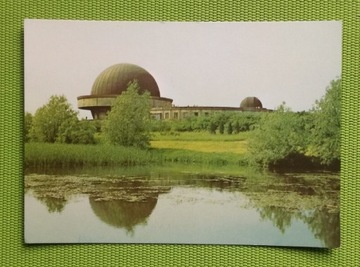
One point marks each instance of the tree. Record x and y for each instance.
(237, 127)
(74, 131)
(325, 140)
(221, 127)
(280, 135)
(306, 139)
(48, 119)
(128, 123)
(229, 129)
(212, 126)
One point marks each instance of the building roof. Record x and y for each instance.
(251, 102)
(115, 79)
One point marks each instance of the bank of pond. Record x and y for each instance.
(131, 195)
(60, 155)
(45, 154)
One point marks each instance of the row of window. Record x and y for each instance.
(166, 115)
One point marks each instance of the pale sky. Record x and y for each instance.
(202, 64)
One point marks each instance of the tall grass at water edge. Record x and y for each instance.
(45, 154)
(66, 155)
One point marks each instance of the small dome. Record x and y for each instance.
(251, 102)
(115, 79)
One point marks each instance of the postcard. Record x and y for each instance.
(182, 132)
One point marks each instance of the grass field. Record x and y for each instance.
(199, 136)
(186, 148)
(202, 142)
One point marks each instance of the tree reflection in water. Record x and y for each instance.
(280, 217)
(297, 198)
(124, 202)
(122, 213)
(324, 225)
(53, 204)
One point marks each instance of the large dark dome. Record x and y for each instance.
(251, 102)
(115, 79)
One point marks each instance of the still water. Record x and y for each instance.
(140, 206)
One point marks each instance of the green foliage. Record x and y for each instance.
(161, 126)
(326, 131)
(49, 118)
(45, 155)
(76, 155)
(200, 136)
(236, 127)
(221, 122)
(28, 118)
(229, 128)
(278, 135)
(74, 131)
(245, 121)
(212, 127)
(128, 123)
(300, 138)
(221, 127)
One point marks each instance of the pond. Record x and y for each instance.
(170, 205)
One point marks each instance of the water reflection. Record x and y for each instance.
(280, 217)
(123, 214)
(131, 205)
(302, 197)
(325, 226)
(53, 204)
(124, 201)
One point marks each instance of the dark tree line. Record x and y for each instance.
(214, 123)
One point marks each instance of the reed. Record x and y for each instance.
(66, 155)
(70, 155)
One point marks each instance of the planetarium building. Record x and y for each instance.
(114, 80)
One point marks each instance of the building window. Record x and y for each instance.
(176, 115)
(206, 113)
(167, 115)
(196, 114)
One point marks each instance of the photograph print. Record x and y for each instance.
(182, 132)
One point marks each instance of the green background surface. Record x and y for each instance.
(13, 252)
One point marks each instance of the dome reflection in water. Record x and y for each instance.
(289, 209)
